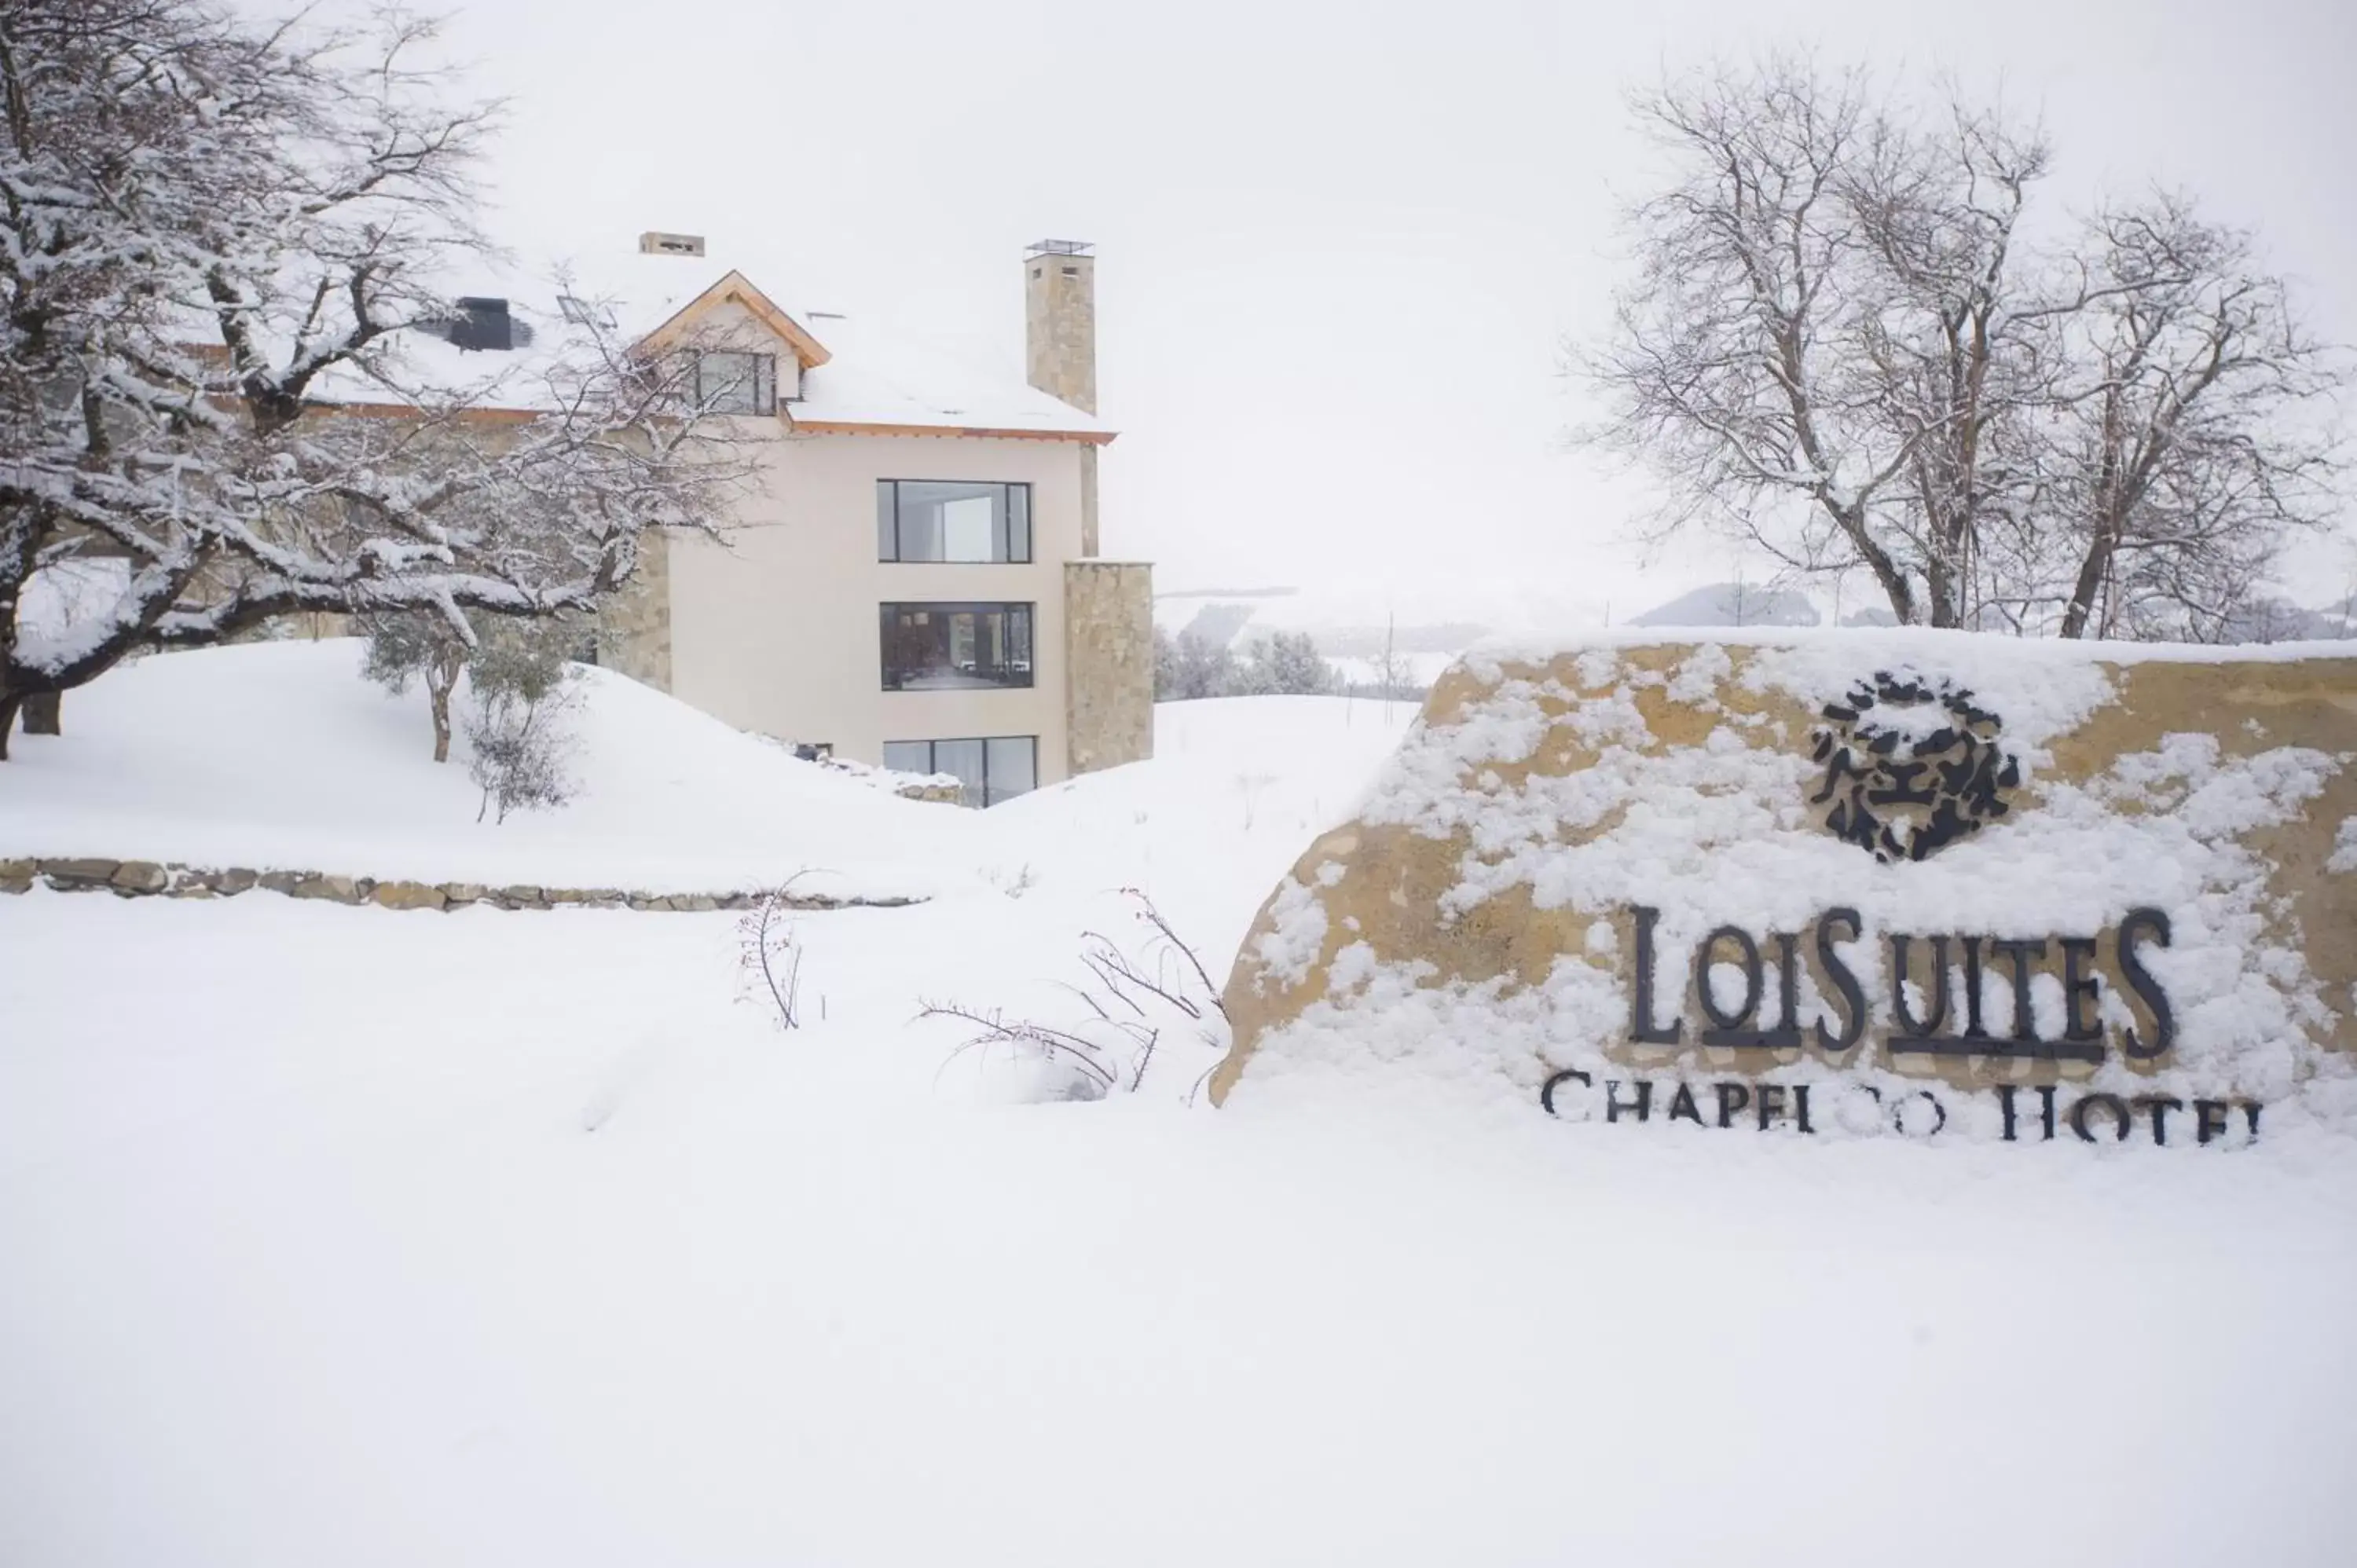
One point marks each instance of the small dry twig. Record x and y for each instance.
(771, 946)
(1128, 991)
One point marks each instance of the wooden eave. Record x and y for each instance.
(738, 288)
(863, 427)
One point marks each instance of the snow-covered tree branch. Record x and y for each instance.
(216, 242)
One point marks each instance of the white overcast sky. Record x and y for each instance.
(1340, 244)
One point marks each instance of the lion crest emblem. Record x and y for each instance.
(1911, 767)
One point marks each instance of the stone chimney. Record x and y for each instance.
(1059, 311)
(1060, 333)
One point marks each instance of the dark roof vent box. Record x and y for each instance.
(480, 323)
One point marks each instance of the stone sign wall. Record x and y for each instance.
(1845, 883)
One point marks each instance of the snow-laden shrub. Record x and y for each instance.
(523, 751)
(503, 658)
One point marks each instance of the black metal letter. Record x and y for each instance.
(1800, 1107)
(1682, 1104)
(1899, 1112)
(2160, 1105)
(2209, 1120)
(1845, 983)
(1546, 1090)
(1787, 1032)
(2019, 954)
(2119, 1113)
(1642, 1106)
(2079, 983)
(1769, 1098)
(1641, 1016)
(1908, 1026)
(1739, 1021)
(2141, 981)
(1972, 1030)
(1732, 1097)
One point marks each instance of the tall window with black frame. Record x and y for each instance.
(966, 521)
(956, 647)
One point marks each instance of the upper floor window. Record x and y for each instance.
(951, 519)
(937, 647)
(736, 383)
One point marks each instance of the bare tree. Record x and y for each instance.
(2182, 455)
(1730, 365)
(1948, 335)
(209, 225)
(1389, 668)
(1837, 348)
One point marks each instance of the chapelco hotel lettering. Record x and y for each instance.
(1930, 1014)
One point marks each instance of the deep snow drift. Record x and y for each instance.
(342, 1235)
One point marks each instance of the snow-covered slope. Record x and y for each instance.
(277, 754)
(1236, 787)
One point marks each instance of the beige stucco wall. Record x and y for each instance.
(775, 627)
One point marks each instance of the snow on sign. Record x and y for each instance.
(1858, 883)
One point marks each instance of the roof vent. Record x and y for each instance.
(480, 323)
(655, 243)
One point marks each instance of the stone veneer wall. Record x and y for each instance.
(171, 879)
(634, 626)
(1089, 501)
(1109, 657)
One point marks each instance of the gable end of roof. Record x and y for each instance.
(736, 288)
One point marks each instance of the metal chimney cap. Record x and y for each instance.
(1059, 248)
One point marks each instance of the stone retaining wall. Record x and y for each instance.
(155, 879)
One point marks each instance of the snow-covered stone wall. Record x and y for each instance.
(1828, 885)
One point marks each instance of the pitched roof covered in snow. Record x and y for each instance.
(858, 375)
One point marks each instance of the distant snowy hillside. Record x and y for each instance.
(1431, 622)
(1446, 614)
(1733, 604)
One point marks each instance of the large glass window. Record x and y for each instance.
(941, 647)
(736, 383)
(991, 769)
(951, 519)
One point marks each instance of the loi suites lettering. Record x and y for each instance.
(1948, 1025)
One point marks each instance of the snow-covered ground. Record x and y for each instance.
(277, 756)
(342, 1235)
